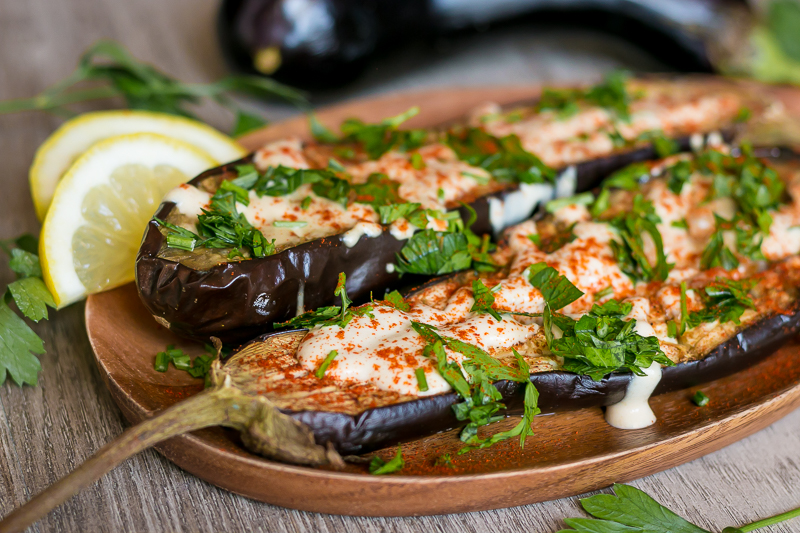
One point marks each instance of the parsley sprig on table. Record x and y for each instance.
(107, 70)
(19, 344)
(632, 510)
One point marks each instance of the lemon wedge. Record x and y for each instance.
(75, 136)
(101, 207)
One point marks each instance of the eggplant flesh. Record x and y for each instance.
(558, 390)
(235, 301)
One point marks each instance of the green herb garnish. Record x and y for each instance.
(114, 73)
(724, 300)
(629, 250)
(378, 466)
(631, 510)
(585, 198)
(503, 157)
(19, 344)
(290, 223)
(611, 95)
(396, 300)
(422, 381)
(700, 399)
(333, 315)
(197, 368)
(320, 372)
(484, 299)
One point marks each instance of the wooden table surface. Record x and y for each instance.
(46, 431)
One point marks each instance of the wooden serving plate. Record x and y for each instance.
(571, 453)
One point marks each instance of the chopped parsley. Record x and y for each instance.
(378, 466)
(374, 139)
(431, 252)
(585, 198)
(320, 372)
(333, 315)
(700, 399)
(197, 368)
(663, 145)
(629, 250)
(422, 381)
(611, 94)
(598, 343)
(551, 243)
(396, 300)
(502, 157)
(484, 299)
(481, 399)
(724, 300)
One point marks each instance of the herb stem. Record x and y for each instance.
(788, 515)
(45, 102)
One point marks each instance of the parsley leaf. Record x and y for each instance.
(556, 289)
(19, 345)
(391, 212)
(378, 466)
(433, 253)
(377, 139)
(484, 299)
(32, 297)
(503, 157)
(611, 94)
(629, 250)
(724, 300)
(333, 315)
(396, 300)
(630, 510)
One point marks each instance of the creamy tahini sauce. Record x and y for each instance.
(563, 141)
(385, 350)
(633, 411)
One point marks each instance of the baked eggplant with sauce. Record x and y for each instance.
(259, 240)
(674, 273)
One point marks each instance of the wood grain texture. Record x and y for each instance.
(45, 431)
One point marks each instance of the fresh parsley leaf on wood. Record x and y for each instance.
(19, 345)
(632, 510)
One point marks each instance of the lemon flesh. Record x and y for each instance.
(75, 136)
(101, 207)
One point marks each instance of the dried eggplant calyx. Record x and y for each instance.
(229, 402)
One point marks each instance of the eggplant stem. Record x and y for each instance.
(209, 408)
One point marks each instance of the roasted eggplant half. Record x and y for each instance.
(260, 240)
(669, 275)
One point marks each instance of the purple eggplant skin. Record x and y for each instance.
(558, 391)
(237, 301)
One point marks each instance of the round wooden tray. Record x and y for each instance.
(571, 453)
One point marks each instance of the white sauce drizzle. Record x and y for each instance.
(370, 229)
(517, 205)
(401, 229)
(634, 411)
(301, 292)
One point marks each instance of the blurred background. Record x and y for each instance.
(344, 49)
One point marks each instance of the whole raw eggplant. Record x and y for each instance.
(322, 44)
